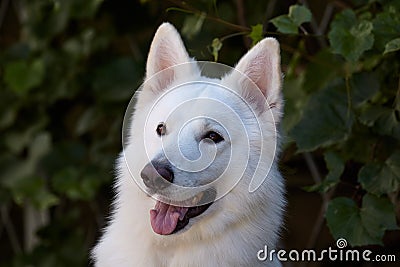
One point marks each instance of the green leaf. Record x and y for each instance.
(299, 14)
(392, 46)
(335, 166)
(216, 46)
(66, 182)
(363, 87)
(382, 120)
(344, 221)
(192, 25)
(256, 34)
(386, 27)
(22, 76)
(370, 114)
(374, 179)
(44, 199)
(87, 121)
(363, 226)
(33, 189)
(7, 117)
(377, 215)
(16, 141)
(325, 121)
(350, 37)
(358, 148)
(284, 24)
(322, 70)
(15, 172)
(40, 146)
(389, 124)
(393, 163)
(290, 23)
(383, 178)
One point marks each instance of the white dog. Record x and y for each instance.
(198, 183)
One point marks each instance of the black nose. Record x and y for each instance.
(156, 176)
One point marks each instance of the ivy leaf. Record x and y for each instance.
(43, 199)
(363, 87)
(33, 189)
(376, 179)
(331, 124)
(363, 226)
(290, 23)
(284, 24)
(358, 148)
(216, 46)
(40, 146)
(392, 46)
(389, 124)
(299, 14)
(256, 34)
(383, 120)
(344, 221)
(22, 76)
(377, 215)
(193, 24)
(335, 165)
(319, 72)
(383, 178)
(350, 37)
(386, 27)
(393, 163)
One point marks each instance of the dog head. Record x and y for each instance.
(202, 137)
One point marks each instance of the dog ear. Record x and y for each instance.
(259, 71)
(167, 50)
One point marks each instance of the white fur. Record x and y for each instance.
(235, 227)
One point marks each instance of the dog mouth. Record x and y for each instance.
(168, 219)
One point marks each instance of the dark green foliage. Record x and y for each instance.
(349, 36)
(62, 100)
(352, 115)
(291, 22)
(360, 226)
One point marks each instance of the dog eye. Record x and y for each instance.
(161, 129)
(215, 137)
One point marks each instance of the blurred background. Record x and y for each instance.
(69, 68)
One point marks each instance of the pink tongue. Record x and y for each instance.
(164, 217)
